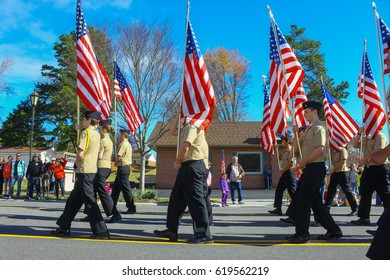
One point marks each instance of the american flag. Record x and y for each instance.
(294, 76)
(106, 98)
(133, 116)
(91, 82)
(385, 34)
(342, 128)
(267, 137)
(198, 93)
(374, 115)
(223, 167)
(300, 98)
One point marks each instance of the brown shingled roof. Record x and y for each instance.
(222, 134)
(19, 149)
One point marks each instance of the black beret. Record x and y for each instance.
(124, 131)
(92, 115)
(285, 138)
(105, 122)
(302, 128)
(312, 104)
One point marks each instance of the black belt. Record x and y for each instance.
(372, 166)
(315, 163)
(188, 162)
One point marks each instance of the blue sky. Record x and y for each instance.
(29, 29)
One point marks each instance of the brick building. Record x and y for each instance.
(240, 139)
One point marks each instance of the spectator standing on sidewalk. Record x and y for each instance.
(34, 174)
(2, 162)
(58, 169)
(268, 178)
(18, 172)
(235, 172)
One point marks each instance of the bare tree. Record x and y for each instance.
(229, 74)
(149, 53)
(5, 65)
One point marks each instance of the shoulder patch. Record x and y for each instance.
(83, 135)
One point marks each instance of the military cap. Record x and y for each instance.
(105, 122)
(312, 104)
(124, 131)
(285, 138)
(302, 128)
(92, 115)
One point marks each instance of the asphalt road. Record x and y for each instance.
(243, 232)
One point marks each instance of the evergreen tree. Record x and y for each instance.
(313, 62)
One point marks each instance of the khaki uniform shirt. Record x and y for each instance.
(379, 142)
(286, 157)
(125, 152)
(90, 144)
(340, 156)
(106, 148)
(195, 137)
(314, 136)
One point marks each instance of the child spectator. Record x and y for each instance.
(224, 189)
(209, 180)
(7, 174)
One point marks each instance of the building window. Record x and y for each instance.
(252, 162)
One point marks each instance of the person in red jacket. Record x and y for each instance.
(58, 169)
(7, 174)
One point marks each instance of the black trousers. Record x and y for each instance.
(122, 184)
(286, 181)
(380, 245)
(308, 197)
(99, 184)
(190, 189)
(1, 183)
(342, 179)
(83, 193)
(374, 178)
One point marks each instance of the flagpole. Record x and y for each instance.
(277, 150)
(78, 119)
(284, 74)
(381, 65)
(182, 81)
(363, 90)
(328, 136)
(115, 106)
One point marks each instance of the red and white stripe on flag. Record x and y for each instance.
(342, 128)
(300, 98)
(267, 136)
(132, 114)
(91, 84)
(198, 93)
(374, 114)
(282, 81)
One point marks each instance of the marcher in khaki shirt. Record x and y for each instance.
(90, 144)
(286, 158)
(195, 137)
(338, 157)
(124, 153)
(314, 136)
(106, 148)
(369, 146)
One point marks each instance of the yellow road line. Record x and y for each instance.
(158, 241)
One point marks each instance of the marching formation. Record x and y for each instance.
(317, 143)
